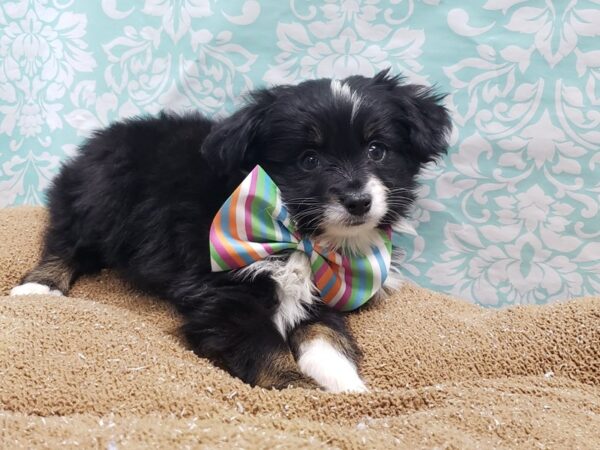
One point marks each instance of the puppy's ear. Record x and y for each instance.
(421, 113)
(232, 141)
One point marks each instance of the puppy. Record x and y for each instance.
(141, 195)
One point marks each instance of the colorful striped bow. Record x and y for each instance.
(253, 223)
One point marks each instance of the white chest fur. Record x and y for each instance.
(295, 289)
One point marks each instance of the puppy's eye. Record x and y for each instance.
(309, 161)
(376, 151)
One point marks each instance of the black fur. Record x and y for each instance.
(142, 193)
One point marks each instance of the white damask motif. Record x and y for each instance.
(17, 168)
(555, 25)
(218, 74)
(211, 79)
(352, 38)
(485, 89)
(589, 62)
(519, 272)
(151, 74)
(91, 111)
(541, 143)
(135, 67)
(41, 48)
(580, 121)
(177, 15)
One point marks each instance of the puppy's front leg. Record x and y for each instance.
(230, 320)
(326, 351)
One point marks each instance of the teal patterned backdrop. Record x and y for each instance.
(511, 215)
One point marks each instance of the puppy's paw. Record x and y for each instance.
(303, 383)
(351, 384)
(348, 381)
(329, 367)
(33, 289)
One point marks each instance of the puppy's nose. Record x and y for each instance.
(356, 203)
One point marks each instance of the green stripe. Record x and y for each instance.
(257, 206)
(271, 198)
(215, 256)
(355, 277)
(359, 274)
(316, 262)
(369, 278)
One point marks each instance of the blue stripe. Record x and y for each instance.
(362, 271)
(264, 203)
(329, 284)
(286, 236)
(308, 247)
(381, 262)
(227, 233)
(283, 213)
(226, 226)
(282, 217)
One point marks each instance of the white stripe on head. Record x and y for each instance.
(342, 91)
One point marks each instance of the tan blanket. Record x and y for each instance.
(105, 368)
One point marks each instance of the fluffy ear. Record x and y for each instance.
(232, 142)
(421, 113)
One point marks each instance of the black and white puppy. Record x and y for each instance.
(141, 195)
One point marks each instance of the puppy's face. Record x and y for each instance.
(345, 154)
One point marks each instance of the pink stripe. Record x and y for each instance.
(248, 204)
(222, 251)
(319, 273)
(347, 290)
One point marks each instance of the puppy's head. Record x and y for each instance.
(345, 153)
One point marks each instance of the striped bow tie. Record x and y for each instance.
(253, 223)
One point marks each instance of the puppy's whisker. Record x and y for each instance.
(408, 203)
(393, 204)
(312, 215)
(396, 217)
(400, 200)
(307, 212)
(311, 221)
(401, 194)
(399, 189)
(301, 202)
(294, 199)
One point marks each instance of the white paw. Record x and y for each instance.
(347, 382)
(33, 289)
(328, 367)
(353, 385)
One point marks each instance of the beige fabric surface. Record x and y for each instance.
(106, 368)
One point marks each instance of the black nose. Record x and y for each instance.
(357, 203)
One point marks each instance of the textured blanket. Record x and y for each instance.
(106, 368)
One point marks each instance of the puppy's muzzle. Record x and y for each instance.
(357, 203)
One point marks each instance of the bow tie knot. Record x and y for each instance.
(254, 223)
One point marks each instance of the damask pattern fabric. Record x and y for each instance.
(509, 217)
